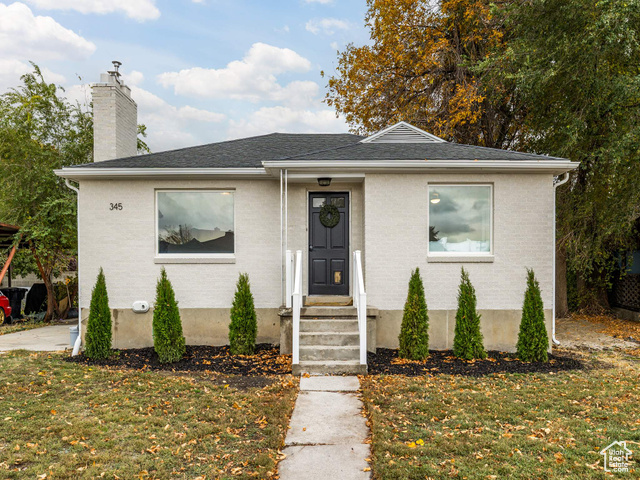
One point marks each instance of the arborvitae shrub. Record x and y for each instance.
(244, 324)
(168, 340)
(414, 332)
(533, 339)
(467, 342)
(98, 337)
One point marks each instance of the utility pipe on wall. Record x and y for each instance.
(77, 345)
(553, 320)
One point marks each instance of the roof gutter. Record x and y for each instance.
(273, 167)
(542, 166)
(124, 173)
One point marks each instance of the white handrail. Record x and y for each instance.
(360, 302)
(296, 298)
(288, 269)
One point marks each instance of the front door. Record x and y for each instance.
(328, 244)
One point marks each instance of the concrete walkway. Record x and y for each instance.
(327, 432)
(45, 339)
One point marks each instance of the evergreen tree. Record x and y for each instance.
(98, 336)
(467, 342)
(244, 325)
(414, 332)
(168, 340)
(533, 340)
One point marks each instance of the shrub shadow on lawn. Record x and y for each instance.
(386, 361)
(207, 359)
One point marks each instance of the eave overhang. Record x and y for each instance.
(272, 169)
(556, 167)
(138, 173)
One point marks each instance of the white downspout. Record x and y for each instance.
(553, 318)
(286, 210)
(76, 346)
(282, 252)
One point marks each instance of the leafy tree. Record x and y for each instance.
(533, 340)
(576, 66)
(168, 341)
(98, 335)
(414, 332)
(424, 66)
(467, 341)
(40, 131)
(244, 325)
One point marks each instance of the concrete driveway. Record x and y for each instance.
(45, 339)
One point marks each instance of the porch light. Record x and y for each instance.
(324, 182)
(435, 198)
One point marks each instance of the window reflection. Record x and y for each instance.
(460, 218)
(195, 222)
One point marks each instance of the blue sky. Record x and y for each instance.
(200, 70)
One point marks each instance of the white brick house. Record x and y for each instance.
(405, 199)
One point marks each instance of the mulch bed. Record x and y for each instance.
(266, 361)
(386, 361)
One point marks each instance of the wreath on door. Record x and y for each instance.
(329, 215)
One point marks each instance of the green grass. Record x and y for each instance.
(547, 426)
(67, 421)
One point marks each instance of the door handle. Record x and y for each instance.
(311, 248)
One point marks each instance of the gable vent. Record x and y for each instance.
(402, 133)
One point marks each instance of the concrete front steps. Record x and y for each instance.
(329, 341)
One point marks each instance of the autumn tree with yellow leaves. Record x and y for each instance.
(425, 66)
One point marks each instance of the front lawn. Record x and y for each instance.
(540, 425)
(68, 421)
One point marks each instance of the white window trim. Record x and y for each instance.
(472, 257)
(192, 257)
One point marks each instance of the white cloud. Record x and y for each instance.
(169, 126)
(322, 2)
(140, 10)
(191, 113)
(253, 78)
(11, 70)
(327, 26)
(285, 119)
(334, 45)
(134, 77)
(24, 35)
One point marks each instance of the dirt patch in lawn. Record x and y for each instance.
(386, 361)
(598, 332)
(266, 361)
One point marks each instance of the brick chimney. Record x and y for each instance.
(115, 118)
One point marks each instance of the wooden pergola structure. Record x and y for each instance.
(7, 241)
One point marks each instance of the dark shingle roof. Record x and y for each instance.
(242, 153)
(417, 151)
(251, 152)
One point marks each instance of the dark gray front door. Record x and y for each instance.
(328, 247)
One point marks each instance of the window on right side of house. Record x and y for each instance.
(460, 221)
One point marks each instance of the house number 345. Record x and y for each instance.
(115, 206)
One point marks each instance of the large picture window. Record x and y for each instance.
(460, 219)
(196, 222)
